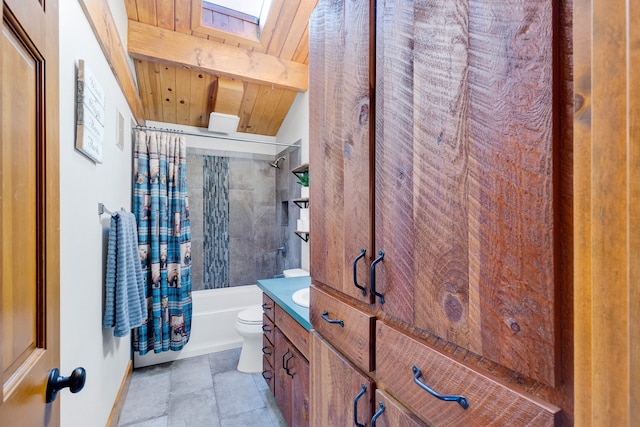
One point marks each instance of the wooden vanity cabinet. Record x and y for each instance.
(285, 363)
(463, 158)
(291, 382)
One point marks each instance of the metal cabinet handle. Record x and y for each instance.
(355, 406)
(285, 353)
(265, 328)
(287, 366)
(265, 306)
(449, 398)
(324, 316)
(372, 277)
(377, 414)
(265, 377)
(268, 353)
(355, 272)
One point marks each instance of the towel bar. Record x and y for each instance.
(103, 210)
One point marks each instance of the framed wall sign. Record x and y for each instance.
(90, 114)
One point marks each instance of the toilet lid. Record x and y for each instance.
(251, 315)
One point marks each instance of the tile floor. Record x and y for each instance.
(197, 392)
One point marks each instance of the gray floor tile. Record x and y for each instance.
(189, 375)
(236, 392)
(194, 409)
(147, 397)
(155, 422)
(201, 391)
(224, 361)
(257, 417)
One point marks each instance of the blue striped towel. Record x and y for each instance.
(125, 305)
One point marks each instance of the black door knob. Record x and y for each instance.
(57, 382)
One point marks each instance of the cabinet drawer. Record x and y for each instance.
(268, 373)
(267, 327)
(268, 350)
(344, 326)
(489, 402)
(392, 413)
(268, 306)
(293, 330)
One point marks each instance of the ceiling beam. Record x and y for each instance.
(227, 96)
(168, 47)
(99, 16)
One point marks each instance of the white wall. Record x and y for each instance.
(83, 184)
(296, 127)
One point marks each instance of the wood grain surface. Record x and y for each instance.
(340, 143)
(490, 402)
(354, 337)
(334, 385)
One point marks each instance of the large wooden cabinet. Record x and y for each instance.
(462, 156)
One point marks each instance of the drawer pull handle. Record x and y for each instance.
(324, 316)
(264, 351)
(372, 277)
(265, 377)
(265, 306)
(355, 271)
(287, 366)
(452, 398)
(355, 406)
(265, 328)
(283, 356)
(377, 414)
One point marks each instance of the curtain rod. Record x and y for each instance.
(295, 145)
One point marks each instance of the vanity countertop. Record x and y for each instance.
(280, 291)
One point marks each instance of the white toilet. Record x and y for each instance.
(249, 326)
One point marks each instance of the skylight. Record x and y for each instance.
(247, 7)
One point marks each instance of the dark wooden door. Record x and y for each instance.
(340, 144)
(29, 218)
(472, 188)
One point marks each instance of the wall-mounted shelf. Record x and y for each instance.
(304, 235)
(302, 202)
(300, 170)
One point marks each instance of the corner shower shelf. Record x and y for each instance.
(302, 202)
(304, 235)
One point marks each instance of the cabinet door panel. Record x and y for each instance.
(465, 178)
(335, 383)
(282, 380)
(489, 402)
(394, 414)
(299, 390)
(340, 145)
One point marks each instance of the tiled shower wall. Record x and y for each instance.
(251, 252)
(286, 211)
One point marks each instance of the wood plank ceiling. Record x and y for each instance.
(192, 58)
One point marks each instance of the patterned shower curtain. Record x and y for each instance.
(164, 240)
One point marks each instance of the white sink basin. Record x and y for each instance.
(301, 297)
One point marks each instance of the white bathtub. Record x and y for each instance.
(212, 325)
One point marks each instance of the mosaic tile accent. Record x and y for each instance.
(215, 187)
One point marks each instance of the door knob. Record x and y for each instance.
(57, 382)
